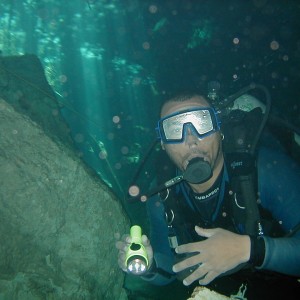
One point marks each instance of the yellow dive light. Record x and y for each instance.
(136, 256)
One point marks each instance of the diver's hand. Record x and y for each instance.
(220, 252)
(123, 246)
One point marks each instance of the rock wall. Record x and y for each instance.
(58, 221)
(24, 85)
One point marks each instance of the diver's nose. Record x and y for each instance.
(191, 139)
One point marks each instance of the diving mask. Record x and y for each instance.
(201, 121)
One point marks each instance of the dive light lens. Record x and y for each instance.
(137, 266)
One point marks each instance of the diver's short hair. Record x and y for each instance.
(182, 97)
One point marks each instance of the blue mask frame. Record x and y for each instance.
(202, 122)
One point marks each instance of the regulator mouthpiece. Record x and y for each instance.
(136, 257)
(197, 171)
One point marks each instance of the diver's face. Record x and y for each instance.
(209, 148)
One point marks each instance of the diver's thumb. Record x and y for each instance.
(204, 232)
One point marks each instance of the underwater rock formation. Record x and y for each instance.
(23, 85)
(58, 221)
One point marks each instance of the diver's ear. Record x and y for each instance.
(162, 146)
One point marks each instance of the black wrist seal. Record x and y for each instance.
(257, 252)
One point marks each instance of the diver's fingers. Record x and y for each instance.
(121, 262)
(121, 246)
(147, 245)
(145, 240)
(126, 238)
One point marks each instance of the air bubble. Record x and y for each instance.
(285, 57)
(274, 45)
(116, 119)
(153, 9)
(118, 166)
(63, 78)
(274, 75)
(136, 81)
(236, 41)
(134, 191)
(124, 150)
(240, 141)
(143, 198)
(103, 154)
(146, 45)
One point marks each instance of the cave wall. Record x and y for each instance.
(58, 221)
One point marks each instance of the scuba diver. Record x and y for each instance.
(233, 206)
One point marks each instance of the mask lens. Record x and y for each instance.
(173, 127)
(202, 121)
